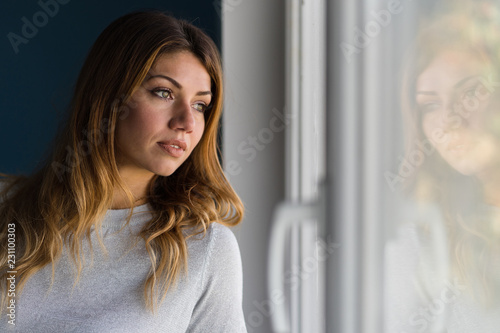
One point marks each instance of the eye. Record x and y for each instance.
(428, 106)
(163, 93)
(201, 107)
(469, 93)
(471, 97)
(482, 91)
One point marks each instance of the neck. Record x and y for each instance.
(138, 186)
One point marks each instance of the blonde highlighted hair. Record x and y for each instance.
(63, 200)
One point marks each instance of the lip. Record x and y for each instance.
(458, 148)
(168, 146)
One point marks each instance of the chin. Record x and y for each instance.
(165, 172)
(165, 168)
(467, 168)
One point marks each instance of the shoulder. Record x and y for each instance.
(219, 307)
(223, 242)
(218, 247)
(216, 236)
(216, 258)
(221, 236)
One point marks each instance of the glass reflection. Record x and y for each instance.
(443, 269)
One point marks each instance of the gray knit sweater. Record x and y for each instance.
(109, 296)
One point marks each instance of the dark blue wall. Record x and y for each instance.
(36, 82)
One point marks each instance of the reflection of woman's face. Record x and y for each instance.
(454, 100)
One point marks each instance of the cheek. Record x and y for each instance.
(200, 130)
(142, 122)
(428, 125)
(434, 132)
(482, 118)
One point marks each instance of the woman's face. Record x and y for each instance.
(166, 119)
(454, 98)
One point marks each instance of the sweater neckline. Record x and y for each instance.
(117, 218)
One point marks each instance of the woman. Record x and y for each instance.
(124, 229)
(451, 104)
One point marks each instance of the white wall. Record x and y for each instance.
(253, 38)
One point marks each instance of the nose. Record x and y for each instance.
(448, 115)
(182, 118)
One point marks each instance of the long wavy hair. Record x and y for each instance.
(64, 199)
(470, 27)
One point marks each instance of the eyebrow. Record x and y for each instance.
(455, 86)
(177, 84)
